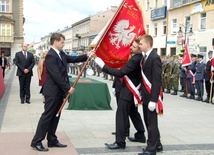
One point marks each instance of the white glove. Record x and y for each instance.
(152, 106)
(99, 62)
(113, 91)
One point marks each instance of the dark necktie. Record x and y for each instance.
(144, 59)
(25, 55)
(61, 54)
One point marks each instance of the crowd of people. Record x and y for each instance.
(191, 78)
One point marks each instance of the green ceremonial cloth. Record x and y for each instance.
(89, 94)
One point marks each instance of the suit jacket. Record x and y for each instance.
(24, 63)
(5, 62)
(57, 82)
(117, 84)
(199, 71)
(192, 68)
(132, 70)
(207, 70)
(152, 70)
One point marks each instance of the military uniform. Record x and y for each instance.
(162, 76)
(190, 78)
(199, 77)
(175, 75)
(167, 75)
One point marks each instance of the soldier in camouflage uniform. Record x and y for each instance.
(163, 60)
(175, 74)
(167, 74)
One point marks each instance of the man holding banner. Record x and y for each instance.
(129, 97)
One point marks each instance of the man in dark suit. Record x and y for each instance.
(3, 63)
(152, 69)
(25, 63)
(126, 104)
(207, 74)
(54, 89)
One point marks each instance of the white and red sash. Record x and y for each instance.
(135, 90)
(193, 76)
(148, 86)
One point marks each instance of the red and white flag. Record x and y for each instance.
(126, 25)
(186, 58)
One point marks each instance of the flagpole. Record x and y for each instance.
(74, 84)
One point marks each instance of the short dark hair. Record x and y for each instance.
(148, 38)
(57, 37)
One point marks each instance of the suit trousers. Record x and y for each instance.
(48, 122)
(151, 121)
(3, 71)
(24, 86)
(124, 109)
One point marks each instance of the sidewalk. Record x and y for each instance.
(186, 127)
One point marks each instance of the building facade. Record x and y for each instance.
(11, 26)
(84, 31)
(164, 19)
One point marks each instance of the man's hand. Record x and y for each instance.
(90, 53)
(152, 106)
(71, 91)
(99, 62)
(26, 71)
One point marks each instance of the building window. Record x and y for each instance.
(172, 51)
(164, 27)
(163, 52)
(147, 4)
(203, 20)
(174, 26)
(155, 29)
(156, 3)
(5, 30)
(4, 5)
(147, 29)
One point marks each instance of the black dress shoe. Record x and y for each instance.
(159, 148)
(133, 139)
(22, 102)
(147, 153)
(114, 146)
(28, 101)
(57, 145)
(39, 147)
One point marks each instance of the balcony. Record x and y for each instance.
(6, 39)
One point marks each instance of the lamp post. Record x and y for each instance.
(180, 32)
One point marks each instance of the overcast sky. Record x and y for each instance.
(45, 16)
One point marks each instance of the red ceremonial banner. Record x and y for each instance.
(186, 58)
(127, 24)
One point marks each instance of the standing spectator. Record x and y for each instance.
(55, 88)
(207, 75)
(199, 77)
(41, 69)
(25, 63)
(3, 63)
(151, 94)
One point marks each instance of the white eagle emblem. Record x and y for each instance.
(123, 33)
